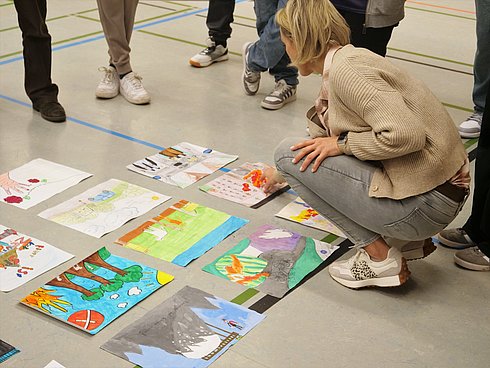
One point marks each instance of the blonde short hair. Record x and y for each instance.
(313, 26)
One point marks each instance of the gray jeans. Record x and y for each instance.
(339, 191)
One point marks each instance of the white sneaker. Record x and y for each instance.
(109, 84)
(211, 54)
(470, 128)
(250, 79)
(281, 95)
(361, 271)
(132, 89)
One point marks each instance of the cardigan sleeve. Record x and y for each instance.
(395, 129)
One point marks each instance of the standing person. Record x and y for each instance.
(470, 128)
(36, 42)
(269, 54)
(218, 20)
(371, 22)
(474, 236)
(391, 162)
(117, 18)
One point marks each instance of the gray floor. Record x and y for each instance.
(440, 318)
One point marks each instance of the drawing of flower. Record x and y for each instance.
(13, 199)
(33, 180)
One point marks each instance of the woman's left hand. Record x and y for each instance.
(317, 149)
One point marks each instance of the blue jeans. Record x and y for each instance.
(481, 68)
(269, 53)
(339, 191)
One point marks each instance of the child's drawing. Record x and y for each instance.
(23, 258)
(272, 260)
(37, 181)
(190, 329)
(182, 164)
(104, 207)
(96, 291)
(301, 212)
(243, 185)
(182, 232)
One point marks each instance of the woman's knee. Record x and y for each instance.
(283, 153)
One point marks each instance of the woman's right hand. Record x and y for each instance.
(271, 179)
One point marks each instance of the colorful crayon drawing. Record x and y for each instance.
(271, 260)
(37, 181)
(23, 258)
(182, 232)
(96, 291)
(301, 212)
(182, 164)
(104, 207)
(243, 185)
(190, 329)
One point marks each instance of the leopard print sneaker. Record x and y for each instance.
(361, 271)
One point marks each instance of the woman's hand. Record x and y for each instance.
(271, 179)
(317, 149)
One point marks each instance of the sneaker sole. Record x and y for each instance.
(106, 95)
(419, 253)
(244, 60)
(136, 102)
(268, 106)
(469, 135)
(390, 281)
(197, 64)
(470, 266)
(452, 245)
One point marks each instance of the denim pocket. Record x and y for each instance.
(415, 226)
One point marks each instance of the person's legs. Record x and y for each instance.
(37, 50)
(339, 190)
(269, 53)
(218, 20)
(482, 57)
(374, 39)
(36, 42)
(117, 19)
(477, 227)
(470, 128)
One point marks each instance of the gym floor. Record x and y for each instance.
(439, 318)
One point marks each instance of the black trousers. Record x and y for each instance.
(478, 225)
(37, 50)
(220, 16)
(374, 39)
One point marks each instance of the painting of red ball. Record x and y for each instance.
(87, 319)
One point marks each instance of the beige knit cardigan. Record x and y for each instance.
(394, 119)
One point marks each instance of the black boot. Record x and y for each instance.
(51, 111)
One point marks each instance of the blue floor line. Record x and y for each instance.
(77, 43)
(99, 128)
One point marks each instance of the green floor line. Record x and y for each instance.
(6, 4)
(162, 16)
(156, 6)
(457, 107)
(243, 297)
(430, 56)
(9, 29)
(179, 4)
(183, 41)
(88, 18)
(54, 18)
(247, 18)
(438, 12)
